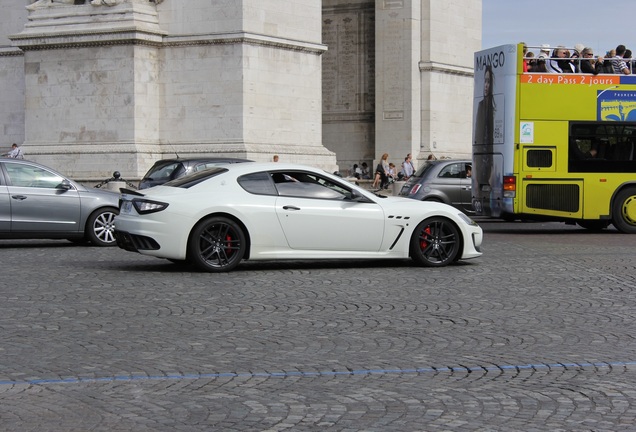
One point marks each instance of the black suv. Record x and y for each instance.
(165, 170)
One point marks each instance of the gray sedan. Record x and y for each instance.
(38, 202)
(446, 181)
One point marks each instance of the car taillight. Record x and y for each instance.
(414, 189)
(509, 186)
(146, 206)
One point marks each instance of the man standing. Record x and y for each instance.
(618, 63)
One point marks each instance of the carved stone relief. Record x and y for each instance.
(48, 3)
(38, 4)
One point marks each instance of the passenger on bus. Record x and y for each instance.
(529, 62)
(589, 64)
(618, 63)
(540, 65)
(607, 65)
(560, 61)
(629, 60)
(525, 54)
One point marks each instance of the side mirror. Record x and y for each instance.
(357, 196)
(65, 185)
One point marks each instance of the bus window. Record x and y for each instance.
(602, 147)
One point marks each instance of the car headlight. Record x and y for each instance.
(466, 219)
(144, 206)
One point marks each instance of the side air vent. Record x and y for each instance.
(557, 197)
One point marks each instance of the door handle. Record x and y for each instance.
(290, 207)
(19, 197)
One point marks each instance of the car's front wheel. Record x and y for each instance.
(216, 244)
(100, 227)
(435, 242)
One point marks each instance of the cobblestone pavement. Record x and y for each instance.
(536, 335)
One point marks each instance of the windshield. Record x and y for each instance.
(165, 171)
(196, 178)
(423, 169)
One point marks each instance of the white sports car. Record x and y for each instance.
(265, 211)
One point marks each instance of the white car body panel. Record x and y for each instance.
(277, 226)
(357, 226)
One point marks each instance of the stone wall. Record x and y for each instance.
(90, 89)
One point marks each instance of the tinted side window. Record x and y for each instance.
(258, 183)
(452, 171)
(32, 176)
(308, 185)
(608, 146)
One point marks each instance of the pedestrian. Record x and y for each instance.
(275, 158)
(357, 171)
(365, 172)
(407, 168)
(381, 173)
(391, 174)
(15, 153)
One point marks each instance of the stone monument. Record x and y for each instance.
(117, 84)
(96, 86)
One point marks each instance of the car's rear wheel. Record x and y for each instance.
(624, 211)
(100, 227)
(216, 244)
(435, 242)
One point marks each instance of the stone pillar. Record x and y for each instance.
(117, 84)
(12, 18)
(92, 87)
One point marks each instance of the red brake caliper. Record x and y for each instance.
(228, 239)
(423, 242)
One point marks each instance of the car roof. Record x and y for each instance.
(200, 159)
(240, 169)
(447, 161)
(271, 166)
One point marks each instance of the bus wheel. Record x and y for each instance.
(624, 211)
(593, 225)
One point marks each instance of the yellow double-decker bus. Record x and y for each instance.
(553, 146)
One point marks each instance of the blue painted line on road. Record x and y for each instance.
(419, 371)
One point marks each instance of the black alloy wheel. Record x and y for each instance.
(435, 242)
(216, 244)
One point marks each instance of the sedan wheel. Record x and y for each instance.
(435, 242)
(100, 227)
(216, 244)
